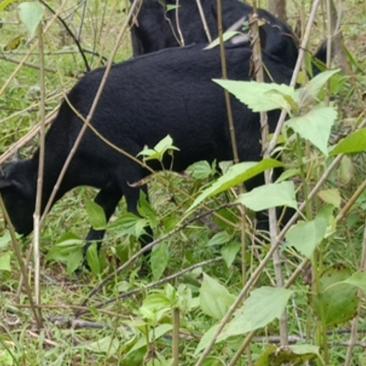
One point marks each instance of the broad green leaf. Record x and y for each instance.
(219, 238)
(96, 215)
(200, 170)
(146, 210)
(306, 236)
(130, 225)
(260, 97)
(155, 334)
(69, 250)
(346, 170)
(264, 305)
(354, 143)
(358, 279)
(94, 260)
(216, 42)
(270, 195)
(159, 260)
(314, 86)
(31, 14)
(229, 253)
(331, 196)
(337, 301)
(5, 259)
(315, 126)
(235, 175)
(215, 299)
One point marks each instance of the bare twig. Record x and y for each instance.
(176, 326)
(179, 30)
(204, 21)
(26, 64)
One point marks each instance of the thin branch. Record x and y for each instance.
(26, 64)
(204, 21)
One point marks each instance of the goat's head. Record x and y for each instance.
(17, 187)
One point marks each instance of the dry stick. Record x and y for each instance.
(256, 274)
(18, 254)
(91, 112)
(37, 211)
(25, 58)
(354, 326)
(258, 66)
(204, 21)
(298, 65)
(147, 248)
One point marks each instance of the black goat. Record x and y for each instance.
(146, 98)
(155, 28)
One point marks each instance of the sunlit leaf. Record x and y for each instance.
(235, 175)
(31, 14)
(315, 126)
(264, 305)
(226, 36)
(354, 143)
(96, 215)
(5, 259)
(261, 97)
(270, 195)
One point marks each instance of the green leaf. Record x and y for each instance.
(200, 170)
(331, 196)
(159, 260)
(130, 225)
(219, 238)
(5, 259)
(315, 126)
(270, 195)
(306, 236)
(235, 175)
(155, 334)
(260, 97)
(31, 14)
(337, 301)
(354, 143)
(163, 146)
(146, 210)
(314, 86)
(216, 42)
(215, 299)
(264, 305)
(94, 261)
(229, 253)
(69, 250)
(358, 279)
(303, 349)
(96, 215)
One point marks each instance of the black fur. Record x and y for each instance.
(153, 29)
(167, 92)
